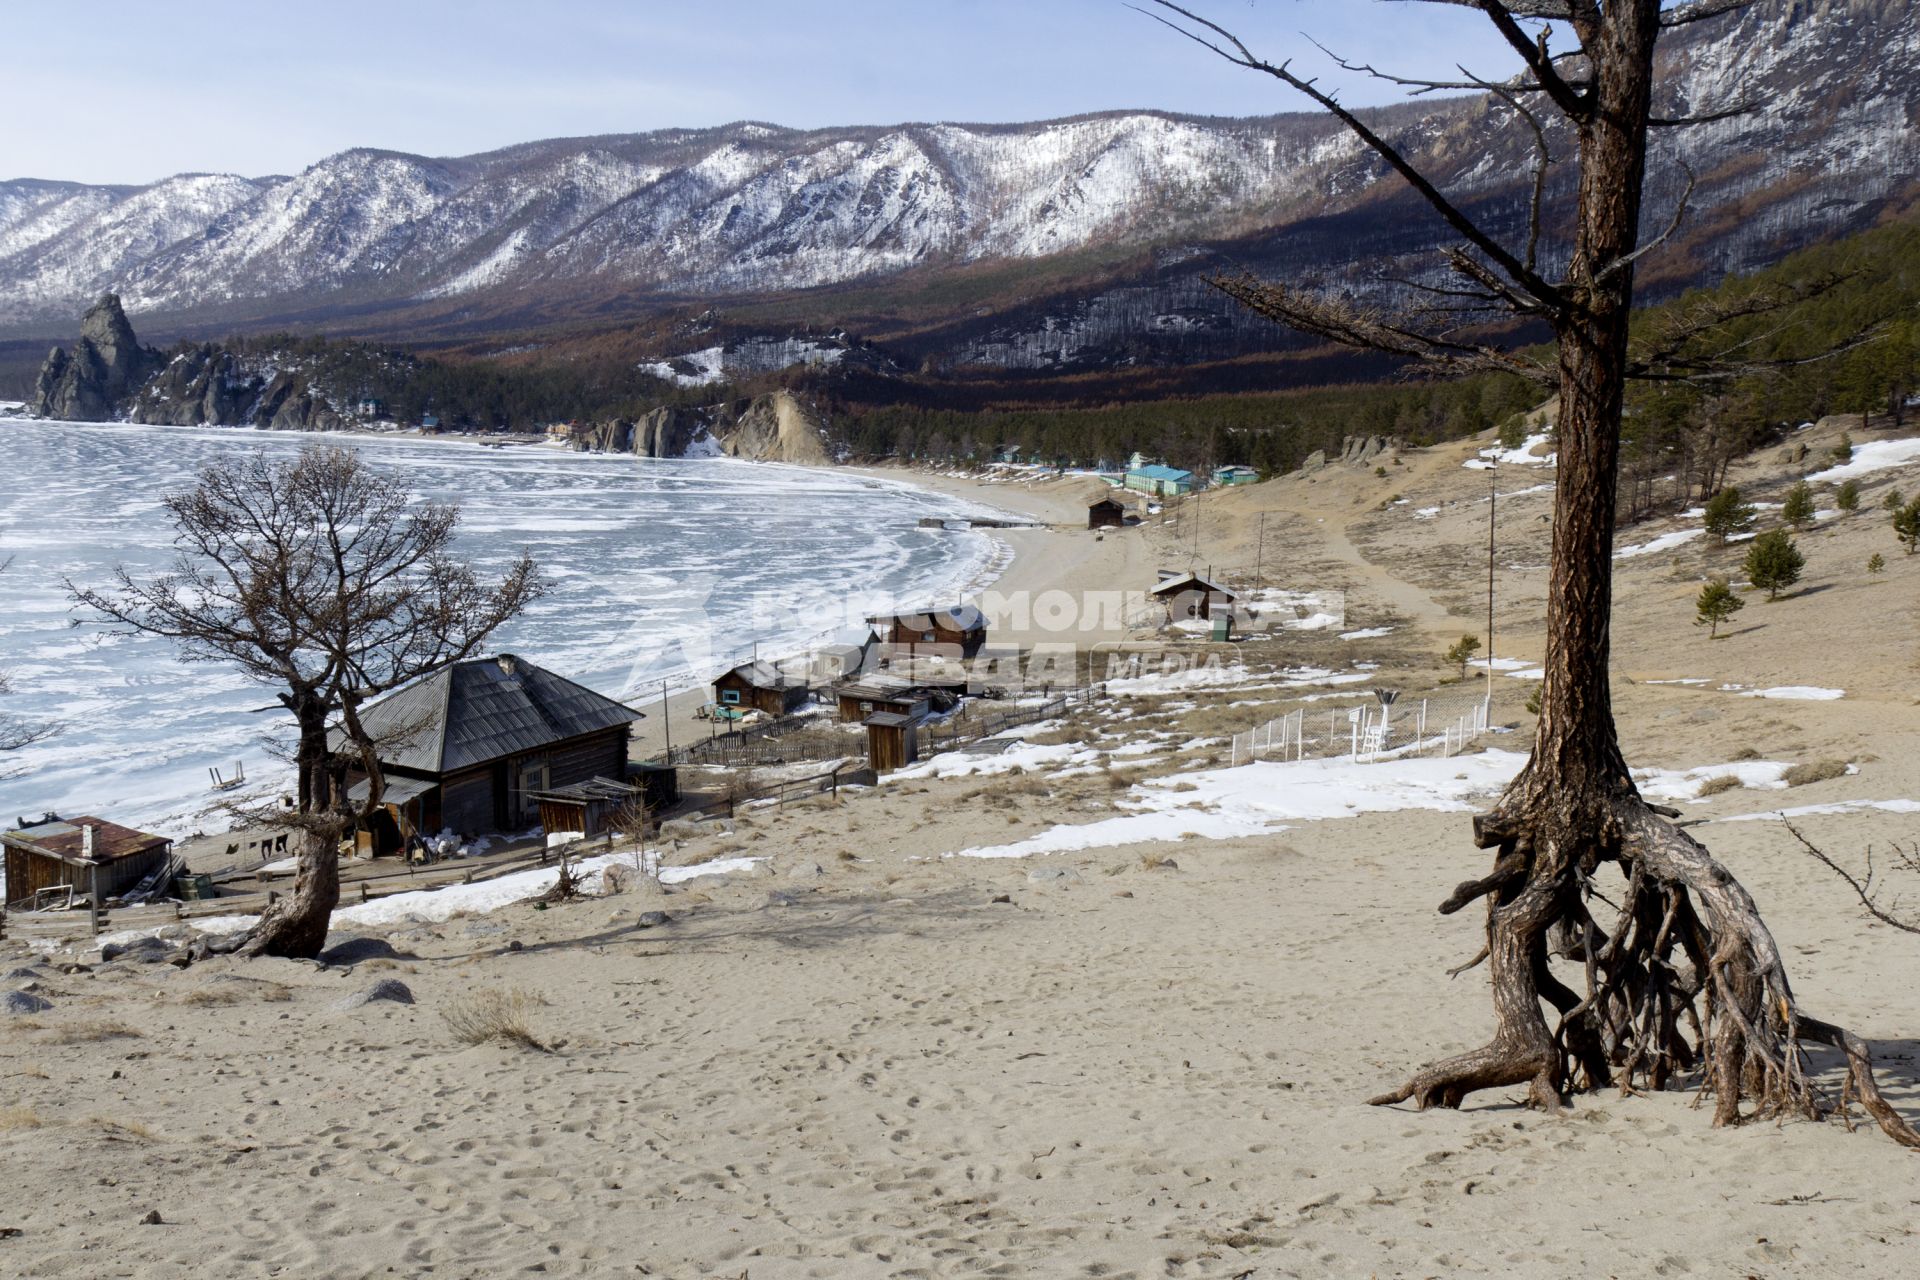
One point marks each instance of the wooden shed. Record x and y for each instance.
(858, 701)
(99, 860)
(760, 686)
(587, 808)
(892, 741)
(469, 747)
(1188, 595)
(1107, 513)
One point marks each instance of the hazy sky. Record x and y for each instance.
(118, 91)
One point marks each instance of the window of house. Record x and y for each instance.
(730, 696)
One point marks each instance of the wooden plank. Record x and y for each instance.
(48, 926)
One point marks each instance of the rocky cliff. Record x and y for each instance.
(105, 366)
(775, 427)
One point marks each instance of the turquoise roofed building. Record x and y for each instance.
(1235, 475)
(1160, 481)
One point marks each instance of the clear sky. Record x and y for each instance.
(125, 91)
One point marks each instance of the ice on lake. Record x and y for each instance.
(660, 570)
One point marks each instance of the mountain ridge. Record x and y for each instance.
(645, 224)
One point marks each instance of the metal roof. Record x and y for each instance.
(591, 789)
(889, 720)
(1158, 472)
(485, 709)
(957, 617)
(392, 790)
(763, 675)
(64, 839)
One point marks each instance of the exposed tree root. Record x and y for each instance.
(1681, 975)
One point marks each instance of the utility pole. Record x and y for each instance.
(1259, 555)
(1493, 497)
(666, 720)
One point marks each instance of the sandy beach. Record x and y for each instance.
(861, 1046)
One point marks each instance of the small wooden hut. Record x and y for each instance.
(1106, 514)
(1188, 595)
(760, 686)
(97, 859)
(892, 741)
(858, 701)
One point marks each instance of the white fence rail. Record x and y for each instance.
(1366, 732)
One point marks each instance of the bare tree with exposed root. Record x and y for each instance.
(332, 585)
(1679, 974)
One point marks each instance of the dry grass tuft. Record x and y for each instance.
(122, 1130)
(222, 993)
(1153, 861)
(12, 1118)
(1815, 771)
(1714, 786)
(495, 1017)
(1745, 753)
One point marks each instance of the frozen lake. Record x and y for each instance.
(659, 570)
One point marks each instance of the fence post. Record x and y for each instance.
(93, 911)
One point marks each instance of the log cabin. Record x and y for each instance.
(760, 686)
(469, 747)
(955, 631)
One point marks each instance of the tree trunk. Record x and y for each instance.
(296, 926)
(1687, 944)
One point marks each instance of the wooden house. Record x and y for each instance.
(1226, 476)
(1188, 595)
(97, 859)
(760, 686)
(892, 741)
(470, 747)
(957, 631)
(1106, 513)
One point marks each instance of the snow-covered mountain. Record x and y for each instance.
(752, 209)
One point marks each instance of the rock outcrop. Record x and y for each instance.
(1360, 451)
(212, 386)
(775, 427)
(105, 367)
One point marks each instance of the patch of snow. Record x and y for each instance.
(1665, 542)
(1838, 806)
(1523, 456)
(1874, 455)
(966, 764)
(1366, 633)
(1797, 693)
(1685, 784)
(1267, 796)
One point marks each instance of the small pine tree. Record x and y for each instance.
(1848, 499)
(1798, 510)
(1774, 563)
(1715, 604)
(1876, 563)
(1513, 432)
(1533, 701)
(1843, 452)
(1892, 501)
(1380, 472)
(1462, 653)
(1728, 514)
(1906, 526)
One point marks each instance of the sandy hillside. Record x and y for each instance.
(1125, 1053)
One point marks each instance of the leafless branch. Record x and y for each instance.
(1864, 889)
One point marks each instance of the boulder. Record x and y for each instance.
(1315, 460)
(142, 950)
(1053, 875)
(354, 950)
(23, 1004)
(385, 991)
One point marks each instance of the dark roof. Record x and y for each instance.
(63, 839)
(889, 720)
(1105, 502)
(1191, 582)
(486, 709)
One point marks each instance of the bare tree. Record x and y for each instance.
(328, 583)
(1681, 974)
